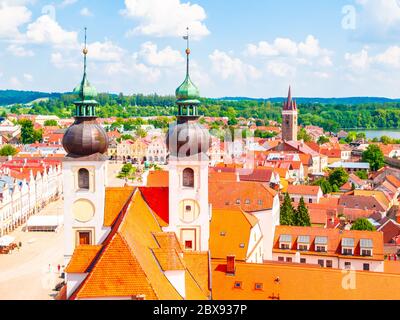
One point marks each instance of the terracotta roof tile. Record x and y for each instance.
(158, 178)
(82, 258)
(249, 196)
(197, 264)
(168, 259)
(316, 283)
(304, 190)
(168, 240)
(117, 274)
(116, 198)
(334, 240)
(157, 199)
(230, 233)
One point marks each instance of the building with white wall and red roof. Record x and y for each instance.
(192, 232)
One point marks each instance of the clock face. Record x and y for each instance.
(189, 211)
(83, 210)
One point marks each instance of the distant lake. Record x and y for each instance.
(392, 133)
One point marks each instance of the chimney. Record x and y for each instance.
(230, 265)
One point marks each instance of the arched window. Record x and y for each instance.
(83, 179)
(188, 178)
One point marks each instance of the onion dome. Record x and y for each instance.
(86, 91)
(187, 92)
(187, 139)
(85, 137)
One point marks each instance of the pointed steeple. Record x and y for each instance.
(187, 94)
(290, 104)
(86, 92)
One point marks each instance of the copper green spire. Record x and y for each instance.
(187, 93)
(85, 106)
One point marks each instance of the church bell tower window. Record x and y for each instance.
(83, 179)
(188, 178)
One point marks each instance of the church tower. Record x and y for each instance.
(84, 171)
(188, 143)
(289, 119)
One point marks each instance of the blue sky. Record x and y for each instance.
(239, 48)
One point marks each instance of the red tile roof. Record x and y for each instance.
(158, 201)
(252, 196)
(334, 240)
(304, 190)
(158, 178)
(82, 258)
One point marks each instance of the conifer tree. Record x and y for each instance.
(301, 216)
(287, 211)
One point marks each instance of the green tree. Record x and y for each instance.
(386, 140)
(141, 133)
(324, 184)
(128, 171)
(361, 136)
(50, 123)
(322, 140)
(28, 133)
(351, 136)
(374, 156)
(362, 174)
(363, 224)
(303, 135)
(287, 211)
(301, 215)
(337, 178)
(8, 150)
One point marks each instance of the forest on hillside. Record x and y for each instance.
(332, 117)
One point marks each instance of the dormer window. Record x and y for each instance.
(321, 244)
(285, 241)
(303, 243)
(348, 246)
(366, 246)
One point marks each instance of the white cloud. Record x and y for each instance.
(228, 67)
(378, 20)
(321, 75)
(363, 60)
(162, 18)
(105, 51)
(280, 69)
(359, 60)
(389, 58)
(60, 61)
(28, 77)
(305, 52)
(66, 3)
(132, 66)
(47, 30)
(85, 12)
(12, 18)
(20, 51)
(281, 46)
(14, 81)
(166, 57)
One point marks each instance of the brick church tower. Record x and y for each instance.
(289, 119)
